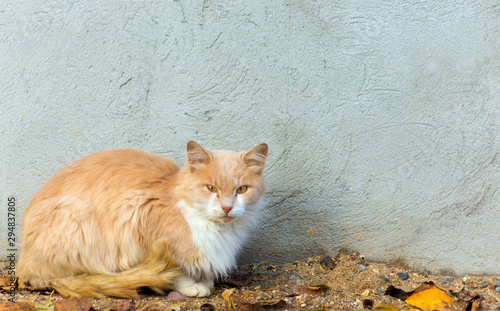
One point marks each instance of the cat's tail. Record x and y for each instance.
(157, 272)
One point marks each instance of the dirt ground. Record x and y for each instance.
(344, 282)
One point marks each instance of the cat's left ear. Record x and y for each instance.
(256, 157)
(197, 156)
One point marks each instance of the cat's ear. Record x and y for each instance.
(256, 157)
(197, 156)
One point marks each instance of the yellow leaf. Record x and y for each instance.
(430, 299)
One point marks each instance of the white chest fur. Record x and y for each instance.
(218, 243)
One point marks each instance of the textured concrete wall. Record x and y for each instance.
(382, 116)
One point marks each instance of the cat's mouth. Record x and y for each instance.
(225, 219)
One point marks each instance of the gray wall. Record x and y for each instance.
(382, 116)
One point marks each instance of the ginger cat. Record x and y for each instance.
(122, 219)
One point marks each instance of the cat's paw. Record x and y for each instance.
(195, 290)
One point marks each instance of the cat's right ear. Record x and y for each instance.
(256, 157)
(197, 156)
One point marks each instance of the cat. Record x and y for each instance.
(122, 219)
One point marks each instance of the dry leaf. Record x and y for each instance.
(6, 284)
(227, 297)
(123, 306)
(476, 304)
(386, 308)
(280, 305)
(146, 306)
(73, 304)
(431, 299)
(368, 304)
(308, 290)
(434, 298)
(20, 306)
(207, 307)
(397, 293)
(313, 290)
(403, 295)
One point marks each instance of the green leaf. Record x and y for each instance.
(323, 287)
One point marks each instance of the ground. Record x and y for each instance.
(345, 282)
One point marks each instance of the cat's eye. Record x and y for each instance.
(212, 188)
(242, 189)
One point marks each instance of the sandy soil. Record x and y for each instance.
(344, 282)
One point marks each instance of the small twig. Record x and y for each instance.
(256, 266)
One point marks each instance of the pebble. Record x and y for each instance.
(327, 262)
(497, 289)
(381, 290)
(300, 282)
(360, 267)
(353, 302)
(403, 275)
(292, 276)
(496, 283)
(317, 271)
(307, 276)
(174, 296)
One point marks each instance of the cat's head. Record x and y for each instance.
(224, 185)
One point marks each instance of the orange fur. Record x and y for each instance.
(122, 219)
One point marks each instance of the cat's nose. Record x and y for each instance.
(227, 209)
